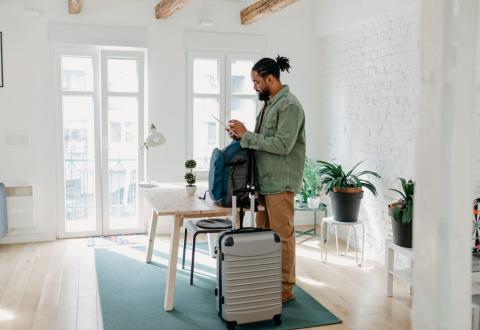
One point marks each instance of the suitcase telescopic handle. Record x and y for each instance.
(234, 212)
(252, 206)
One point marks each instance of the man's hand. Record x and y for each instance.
(232, 136)
(237, 127)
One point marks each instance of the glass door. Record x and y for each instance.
(122, 76)
(80, 149)
(102, 104)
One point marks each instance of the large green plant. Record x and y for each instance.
(310, 186)
(403, 210)
(333, 176)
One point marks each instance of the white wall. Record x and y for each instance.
(368, 99)
(341, 14)
(26, 102)
(26, 110)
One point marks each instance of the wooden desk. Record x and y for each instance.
(171, 199)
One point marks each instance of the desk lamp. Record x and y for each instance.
(154, 139)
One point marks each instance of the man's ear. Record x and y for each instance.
(269, 79)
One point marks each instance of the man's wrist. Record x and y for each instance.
(245, 140)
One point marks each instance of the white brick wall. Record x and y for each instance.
(369, 92)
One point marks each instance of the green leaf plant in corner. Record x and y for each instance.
(345, 189)
(310, 187)
(334, 178)
(402, 210)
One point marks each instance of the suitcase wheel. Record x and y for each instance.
(277, 319)
(231, 325)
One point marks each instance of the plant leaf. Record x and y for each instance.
(397, 213)
(401, 193)
(351, 171)
(407, 216)
(375, 174)
(369, 186)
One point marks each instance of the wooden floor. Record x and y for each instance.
(53, 286)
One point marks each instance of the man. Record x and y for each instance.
(279, 144)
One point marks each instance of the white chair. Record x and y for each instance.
(351, 226)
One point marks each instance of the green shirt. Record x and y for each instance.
(280, 144)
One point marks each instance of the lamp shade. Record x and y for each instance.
(155, 138)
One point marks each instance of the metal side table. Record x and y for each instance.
(313, 231)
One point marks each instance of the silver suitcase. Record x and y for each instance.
(249, 274)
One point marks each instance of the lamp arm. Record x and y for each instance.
(146, 164)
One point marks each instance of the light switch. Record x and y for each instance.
(17, 140)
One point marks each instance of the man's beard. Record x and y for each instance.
(263, 95)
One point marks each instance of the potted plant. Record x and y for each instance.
(345, 189)
(190, 177)
(310, 189)
(402, 214)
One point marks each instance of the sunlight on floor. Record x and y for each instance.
(310, 249)
(5, 315)
(310, 281)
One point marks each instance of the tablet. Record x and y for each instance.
(224, 125)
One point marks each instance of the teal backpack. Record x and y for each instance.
(230, 169)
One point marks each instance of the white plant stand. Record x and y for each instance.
(351, 226)
(403, 274)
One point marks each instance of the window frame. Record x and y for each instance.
(225, 95)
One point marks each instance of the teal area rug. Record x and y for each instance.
(131, 297)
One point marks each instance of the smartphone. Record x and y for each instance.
(224, 125)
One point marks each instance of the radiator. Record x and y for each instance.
(20, 207)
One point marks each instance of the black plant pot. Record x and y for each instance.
(345, 206)
(402, 234)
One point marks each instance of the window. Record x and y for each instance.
(212, 133)
(219, 84)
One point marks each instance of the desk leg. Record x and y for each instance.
(151, 236)
(172, 263)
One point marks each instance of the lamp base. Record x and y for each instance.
(147, 184)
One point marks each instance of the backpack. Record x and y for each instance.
(230, 169)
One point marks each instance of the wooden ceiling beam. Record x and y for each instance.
(166, 8)
(75, 6)
(261, 9)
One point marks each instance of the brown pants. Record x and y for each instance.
(278, 215)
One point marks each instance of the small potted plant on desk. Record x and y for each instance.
(190, 177)
(402, 214)
(345, 189)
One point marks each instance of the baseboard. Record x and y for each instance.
(28, 238)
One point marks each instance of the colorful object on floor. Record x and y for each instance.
(131, 297)
(476, 228)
